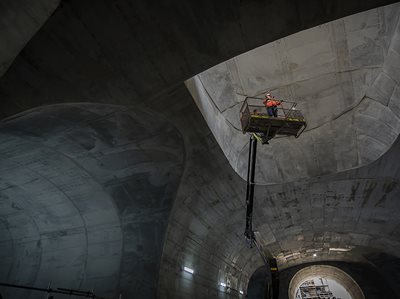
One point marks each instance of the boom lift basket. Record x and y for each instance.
(254, 118)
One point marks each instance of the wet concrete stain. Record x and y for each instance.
(354, 189)
(369, 188)
(388, 187)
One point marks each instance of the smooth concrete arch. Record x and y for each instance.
(139, 52)
(120, 52)
(355, 211)
(325, 271)
(85, 195)
(344, 77)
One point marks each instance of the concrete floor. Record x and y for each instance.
(118, 194)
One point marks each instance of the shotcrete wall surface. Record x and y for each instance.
(124, 52)
(19, 21)
(85, 195)
(340, 217)
(76, 205)
(120, 198)
(344, 76)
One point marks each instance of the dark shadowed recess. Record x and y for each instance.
(258, 284)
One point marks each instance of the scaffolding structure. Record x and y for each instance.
(317, 288)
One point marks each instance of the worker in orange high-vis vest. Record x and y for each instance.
(272, 105)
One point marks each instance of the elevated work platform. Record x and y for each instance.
(254, 118)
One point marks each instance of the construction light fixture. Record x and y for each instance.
(188, 270)
(222, 284)
(314, 255)
(241, 292)
(339, 249)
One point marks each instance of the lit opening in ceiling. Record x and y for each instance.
(322, 281)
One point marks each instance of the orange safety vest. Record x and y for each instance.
(271, 103)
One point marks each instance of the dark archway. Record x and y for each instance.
(259, 286)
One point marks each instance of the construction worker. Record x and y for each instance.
(272, 105)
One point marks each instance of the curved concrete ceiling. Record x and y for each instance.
(345, 216)
(86, 192)
(121, 52)
(19, 21)
(89, 159)
(344, 76)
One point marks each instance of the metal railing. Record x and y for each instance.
(253, 113)
(49, 291)
(255, 106)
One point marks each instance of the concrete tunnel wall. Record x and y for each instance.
(86, 192)
(205, 226)
(20, 20)
(345, 77)
(124, 52)
(341, 217)
(116, 53)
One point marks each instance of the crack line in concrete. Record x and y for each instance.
(215, 105)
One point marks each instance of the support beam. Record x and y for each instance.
(249, 233)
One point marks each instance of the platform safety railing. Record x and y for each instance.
(255, 106)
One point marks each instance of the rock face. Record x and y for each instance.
(344, 76)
